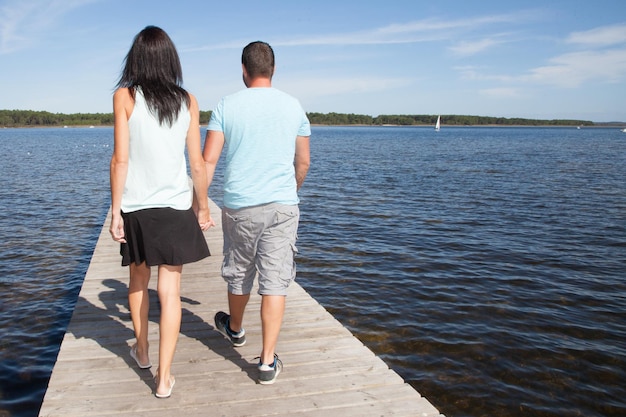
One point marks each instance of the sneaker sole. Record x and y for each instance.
(271, 381)
(220, 328)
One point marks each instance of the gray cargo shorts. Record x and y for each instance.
(260, 239)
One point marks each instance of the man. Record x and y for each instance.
(266, 133)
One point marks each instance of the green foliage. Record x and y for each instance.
(205, 116)
(29, 118)
(339, 119)
(427, 120)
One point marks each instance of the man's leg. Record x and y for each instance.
(272, 311)
(237, 306)
(276, 264)
(238, 268)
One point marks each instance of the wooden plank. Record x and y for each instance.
(327, 371)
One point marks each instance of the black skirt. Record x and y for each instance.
(162, 236)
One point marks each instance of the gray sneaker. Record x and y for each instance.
(222, 323)
(269, 373)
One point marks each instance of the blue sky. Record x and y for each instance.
(532, 59)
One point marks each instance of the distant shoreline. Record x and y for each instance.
(29, 118)
(598, 126)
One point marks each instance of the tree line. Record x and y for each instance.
(30, 118)
(427, 120)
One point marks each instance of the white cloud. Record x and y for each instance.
(465, 48)
(430, 25)
(23, 21)
(315, 87)
(573, 69)
(427, 30)
(475, 73)
(412, 32)
(564, 71)
(602, 36)
(569, 70)
(503, 92)
(12, 18)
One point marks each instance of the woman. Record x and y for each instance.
(151, 199)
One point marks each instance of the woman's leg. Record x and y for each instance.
(168, 289)
(139, 302)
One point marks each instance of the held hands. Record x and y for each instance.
(204, 219)
(206, 226)
(117, 229)
(117, 225)
(203, 214)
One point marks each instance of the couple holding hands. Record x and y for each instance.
(159, 221)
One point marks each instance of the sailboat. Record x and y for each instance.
(438, 124)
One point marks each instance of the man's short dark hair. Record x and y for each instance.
(258, 59)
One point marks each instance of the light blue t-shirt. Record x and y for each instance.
(260, 126)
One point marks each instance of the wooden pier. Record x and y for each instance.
(327, 371)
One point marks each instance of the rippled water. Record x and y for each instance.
(52, 204)
(485, 265)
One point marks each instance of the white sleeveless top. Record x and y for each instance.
(157, 169)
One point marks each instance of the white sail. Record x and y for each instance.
(438, 125)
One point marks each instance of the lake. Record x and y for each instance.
(485, 265)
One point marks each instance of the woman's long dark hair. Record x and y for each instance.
(153, 65)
